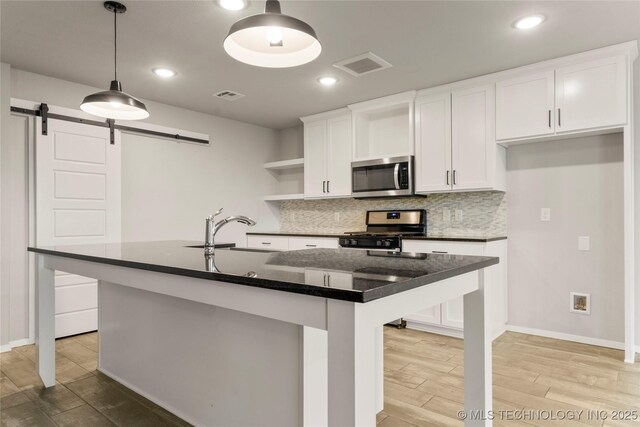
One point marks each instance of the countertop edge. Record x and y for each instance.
(331, 293)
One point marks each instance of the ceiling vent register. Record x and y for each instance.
(228, 95)
(362, 64)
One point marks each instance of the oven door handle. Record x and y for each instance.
(396, 176)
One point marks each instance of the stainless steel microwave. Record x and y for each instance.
(388, 177)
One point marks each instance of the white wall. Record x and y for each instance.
(581, 180)
(5, 293)
(636, 113)
(168, 187)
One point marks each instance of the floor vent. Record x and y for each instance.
(362, 64)
(229, 95)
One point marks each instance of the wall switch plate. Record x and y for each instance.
(458, 215)
(580, 303)
(446, 215)
(545, 214)
(584, 243)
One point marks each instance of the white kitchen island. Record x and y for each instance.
(254, 338)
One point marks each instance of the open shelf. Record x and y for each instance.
(285, 164)
(277, 197)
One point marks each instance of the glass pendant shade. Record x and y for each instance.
(114, 104)
(272, 40)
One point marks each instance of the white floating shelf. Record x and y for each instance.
(285, 164)
(277, 197)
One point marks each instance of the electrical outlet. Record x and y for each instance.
(458, 215)
(584, 243)
(545, 214)
(580, 303)
(446, 215)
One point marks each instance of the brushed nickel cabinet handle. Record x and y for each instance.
(266, 243)
(448, 173)
(311, 246)
(328, 191)
(549, 119)
(559, 118)
(324, 186)
(455, 181)
(439, 252)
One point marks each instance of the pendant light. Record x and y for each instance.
(272, 40)
(114, 103)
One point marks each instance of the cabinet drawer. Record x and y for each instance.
(297, 243)
(76, 298)
(453, 248)
(278, 243)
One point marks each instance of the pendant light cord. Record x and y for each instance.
(115, 44)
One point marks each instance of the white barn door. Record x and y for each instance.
(77, 202)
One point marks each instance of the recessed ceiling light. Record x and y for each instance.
(233, 4)
(327, 81)
(164, 72)
(528, 22)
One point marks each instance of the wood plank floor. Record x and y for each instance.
(423, 384)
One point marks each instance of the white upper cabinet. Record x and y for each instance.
(455, 142)
(473, 145)
(433, 143)
(383, 127)
(315, 148)
(585, 96)
(339, 156)
(327, 159)
(525, 105)
(591, 95)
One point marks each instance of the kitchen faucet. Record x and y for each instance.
(212, 228)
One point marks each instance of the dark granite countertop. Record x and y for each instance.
(369, 275)
(480, 239)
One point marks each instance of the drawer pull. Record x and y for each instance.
(266, 243)
(439, 252)
(311, 246)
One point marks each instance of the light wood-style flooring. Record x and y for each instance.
(423, 384)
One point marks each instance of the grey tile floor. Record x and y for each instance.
(82, 396)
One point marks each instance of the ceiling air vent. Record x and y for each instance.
(362, 64)
(229, 95)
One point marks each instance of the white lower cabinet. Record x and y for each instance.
(297, 243)
(289, 243)
(447, 318)
(277, 243)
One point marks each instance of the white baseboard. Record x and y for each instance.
(569, 337)
(445, 330)
(148, 396)
(14, 344)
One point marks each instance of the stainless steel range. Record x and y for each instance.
(385, 229)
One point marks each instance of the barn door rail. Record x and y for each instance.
(43, 112)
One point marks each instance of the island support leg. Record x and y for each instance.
(352, 366)
(478, 393)
(45, 323)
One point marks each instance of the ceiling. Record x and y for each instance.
(428, 43)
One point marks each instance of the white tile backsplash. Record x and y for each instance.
(476, 214)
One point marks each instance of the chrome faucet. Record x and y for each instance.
(212, 228)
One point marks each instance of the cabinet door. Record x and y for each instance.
(433, 143)
(524, 106)
(473, 144)
(339, 156)
(430, 316)
(315, 154)
(591, 95)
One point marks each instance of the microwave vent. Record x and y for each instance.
(362, 64)
(228, 95)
